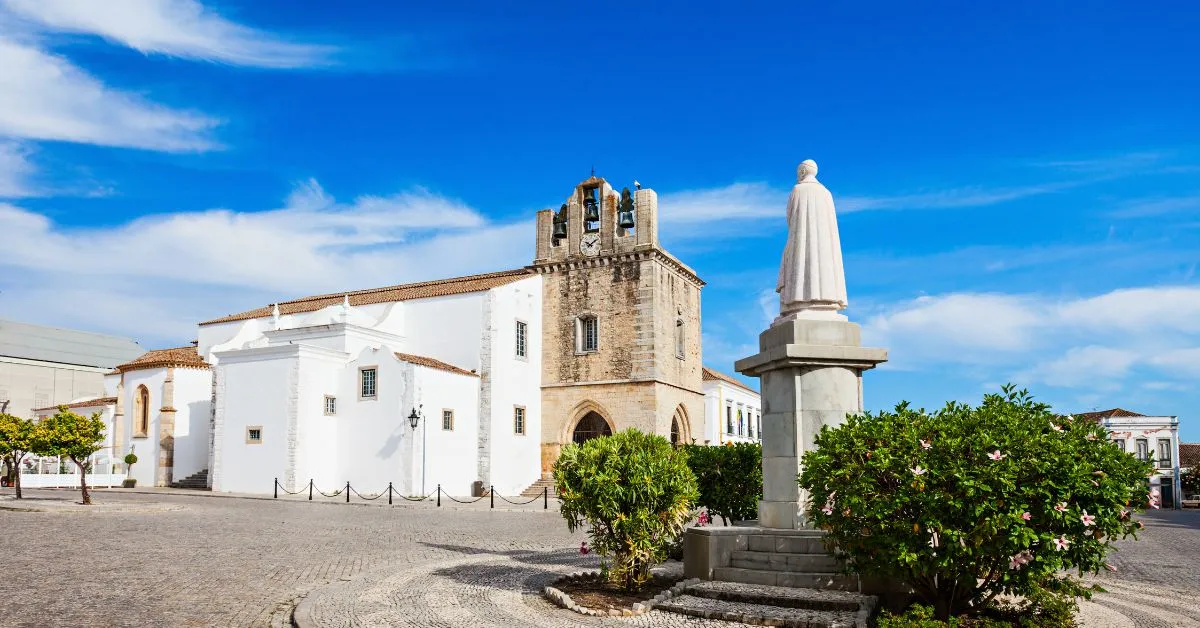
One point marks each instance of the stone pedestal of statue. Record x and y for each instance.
(811, 376)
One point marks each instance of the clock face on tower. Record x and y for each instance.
(589, 244)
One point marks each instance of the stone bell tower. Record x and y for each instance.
(621, 322)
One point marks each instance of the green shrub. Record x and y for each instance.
(635, 493)
(729, 478)
(131, 459)
(967, 503)
(919, 616)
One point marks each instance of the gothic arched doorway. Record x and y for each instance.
(589, 427)
(680, 433)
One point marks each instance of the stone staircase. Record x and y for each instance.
(786, 561)
(766, 605)
(535, 489)
(197, 481)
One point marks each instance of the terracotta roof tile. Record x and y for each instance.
(100, 401)
(186, 357)
(710, 375)
(1189, 455)
(1114, 413)
(428, 362)
(387, 294)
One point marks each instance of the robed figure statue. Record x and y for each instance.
(812, 282)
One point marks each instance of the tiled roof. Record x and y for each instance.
(87, 403)
(186, 357)
(1115, 413)
(709, 375)
(1189, 455)
(428, 362)
(388, 294)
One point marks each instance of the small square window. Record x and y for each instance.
(330, 405)
(367, 383)
(518, 420)
(522, 339)
(254, 435)
(448, 420)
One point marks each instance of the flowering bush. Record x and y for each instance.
(635, 493)
(967, 503)
(729, 477)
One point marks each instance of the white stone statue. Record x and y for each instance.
(812, 282)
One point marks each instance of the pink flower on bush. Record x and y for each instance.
(996, 455)
(1056, 427)
(583, 548)
(926, 444)
(1062, 507)
(827, 509)
(1110, 568)
(918, 471)
(1026, 516)
(1088, 520)
(1062, 543)
(1020, 559)
(1090, 437)
(702, 519)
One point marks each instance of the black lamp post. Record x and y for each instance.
(414, 419)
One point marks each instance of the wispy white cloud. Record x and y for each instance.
(975, 196)
(179, 28)
(15, 170)
(1144, 208)
(45, 97)
(184, 267)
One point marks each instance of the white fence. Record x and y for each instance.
(69, 480)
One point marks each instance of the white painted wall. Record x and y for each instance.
(718, 397)
(1131, 429)
(450, 457)
(193, 402)
(515, 458)
(446, 328)
(145, 448)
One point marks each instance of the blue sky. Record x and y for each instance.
(1018, 186)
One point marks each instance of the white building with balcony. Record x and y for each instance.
(1153, 438)
(732, 410)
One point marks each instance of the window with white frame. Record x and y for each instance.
(587, 334)
(254, 434)
(518, 420)
(1143, 449)
(741, 422)
(522, 339)
(368, 384)
(729, 418)
(448, 420)
(330, 405)
(1164, 453)
(1120, 443)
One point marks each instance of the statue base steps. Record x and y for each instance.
(771, 605)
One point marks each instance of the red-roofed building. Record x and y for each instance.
(732, 410)
(1153, 438)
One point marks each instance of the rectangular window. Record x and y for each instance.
(330, 405)
(680, 345)
(522, 339)
(448, 420)
(1143, 449)
(741, 423)
(1164, 453)
(518, 420)
(729, 419)
(367, 382)
(589, 334)
(1120, 443)
(254, 435)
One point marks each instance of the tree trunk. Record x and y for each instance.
(87, 499)
(17, 479)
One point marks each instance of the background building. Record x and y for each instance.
(1154, 438)
(42, 367)
(732, 410)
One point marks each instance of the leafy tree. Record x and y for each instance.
(635, 493)
(729, 478)
(18, 438)
(968, 503)
(1190, 482)
(77, 437)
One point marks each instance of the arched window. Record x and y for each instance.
(679, 341)
(141, 412)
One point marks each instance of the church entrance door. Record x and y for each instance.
(589, 427)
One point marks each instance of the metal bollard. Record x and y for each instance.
(439, 495)
(389, 493)
(545, 498)
(492, 495)
(347, 492)
(310, 490)
(276, 488)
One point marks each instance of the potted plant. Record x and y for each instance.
(130, 459)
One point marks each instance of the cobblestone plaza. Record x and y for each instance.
(210, 561)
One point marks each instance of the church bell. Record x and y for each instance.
(591, 207)
(560, 223)
(625, 213)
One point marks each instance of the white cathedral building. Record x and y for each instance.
(497, 370)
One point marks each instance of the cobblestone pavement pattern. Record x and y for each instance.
(235, 562)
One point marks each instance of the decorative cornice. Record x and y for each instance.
(608, 259)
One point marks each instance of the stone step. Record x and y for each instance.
(811, 599)
(762, 614)
(794, 543)
(820, 563)
(809, 580)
